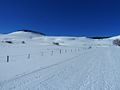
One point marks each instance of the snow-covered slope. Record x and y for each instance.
(1, 34)
(20, 36)
(115, 37)
(58, 63)
(24, 34)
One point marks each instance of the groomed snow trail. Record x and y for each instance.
(95, 69)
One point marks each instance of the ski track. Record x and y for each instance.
(90, 70)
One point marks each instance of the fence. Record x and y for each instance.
(39, 54)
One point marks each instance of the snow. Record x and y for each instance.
(78, 63)
(20, 35)
(115, 37)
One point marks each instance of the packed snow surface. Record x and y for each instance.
(58, 63)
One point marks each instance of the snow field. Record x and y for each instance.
(77, 63)
(22, 80)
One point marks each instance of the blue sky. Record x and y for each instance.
(61, 17)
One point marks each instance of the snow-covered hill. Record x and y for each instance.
(24, 34)
(115, 37)
(57, 62)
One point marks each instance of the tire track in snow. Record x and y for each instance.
(69, 72)
(35, 75)
(94, 75)
(106, 73)
(91, 70)
(112, 72)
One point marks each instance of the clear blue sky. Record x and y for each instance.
(61, 17)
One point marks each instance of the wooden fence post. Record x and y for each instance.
(51, 53)
(28, 56)
(65, 51)
(60, 51)
(7, 58)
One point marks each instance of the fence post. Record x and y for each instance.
(60, 51)
(7, 58)
(28, 56)
(51, 53)
(71, 50)
(65, 51)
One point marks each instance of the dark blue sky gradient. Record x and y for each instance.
(61, 17)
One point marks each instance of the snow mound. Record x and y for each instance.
(25, 34)
(115, 37)
(1, 34)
